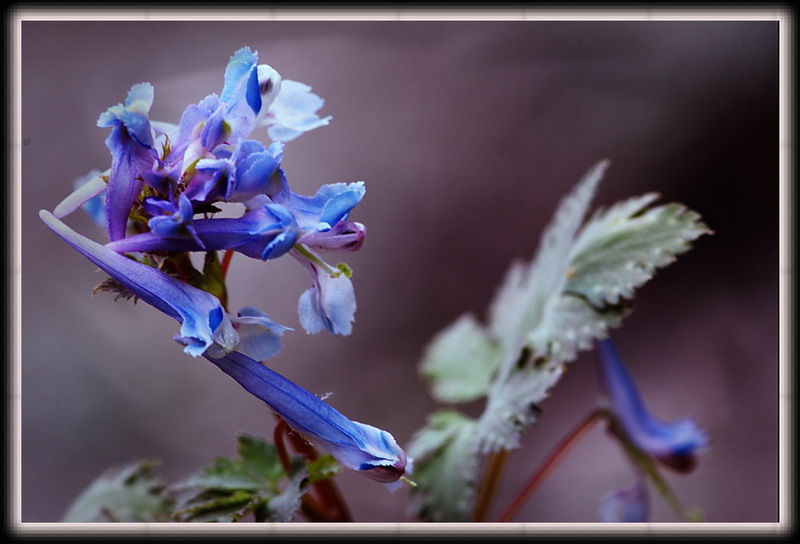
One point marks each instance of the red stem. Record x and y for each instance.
(226, 261)
(551, 462)
(331, 498)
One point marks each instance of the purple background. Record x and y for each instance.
(467, 135)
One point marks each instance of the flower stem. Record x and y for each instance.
(494, 469)
(226, 261)
(551, 462)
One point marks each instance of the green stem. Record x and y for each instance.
(551, 462)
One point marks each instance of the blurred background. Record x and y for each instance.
(467, 135)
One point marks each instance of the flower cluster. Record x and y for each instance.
(158, 202)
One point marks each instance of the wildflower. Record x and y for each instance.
(264, 233)
(330, 303)
(674, 444)
(366, 449)
(238, 176)
(344, 236)
(131, 144)
(204, 322)
(170, 220)
(628, 505)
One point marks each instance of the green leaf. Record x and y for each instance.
(324, 467)
(130, 493)
(460, 361)
(513, 402)
(258, 468)
(283, 506)
(529, 291)
(621, 248)
(219, 506)
(252, 484)
(444, 454)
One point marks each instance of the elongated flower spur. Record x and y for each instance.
(675, 444)
(157, 203)
(371, 451)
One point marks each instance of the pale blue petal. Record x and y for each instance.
(294, 111)
(87, 194)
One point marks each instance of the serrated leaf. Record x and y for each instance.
(284, 506)
(460, 361)
(513, 403)
(257, 468)
(131, 493)
(523, 298)
(230, 489)
(445, 457)
(260, 457)
(621, 248)
(219, 506)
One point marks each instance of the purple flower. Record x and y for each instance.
(172, 221)
(675, 444)
(264, 233)
(131, 145)
(203, 320)
(366, 449)
(204, 323)
(250, 170)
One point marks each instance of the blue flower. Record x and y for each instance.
(132, 152)
(331, 203)
(628, 505)
(330, 303)
(371, 451)
(250, 170)
(171, 221)
(675, 444)
(203, 320)
(264, 233)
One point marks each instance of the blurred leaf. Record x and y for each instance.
(528, 291)
(513, 403)
(621, 248)
(284, 505)
(216, 505)
(460, 361)
(578, 286)
(130, 493)
(444, 453)
(257, 468)
(231, 489)
(325, 466)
